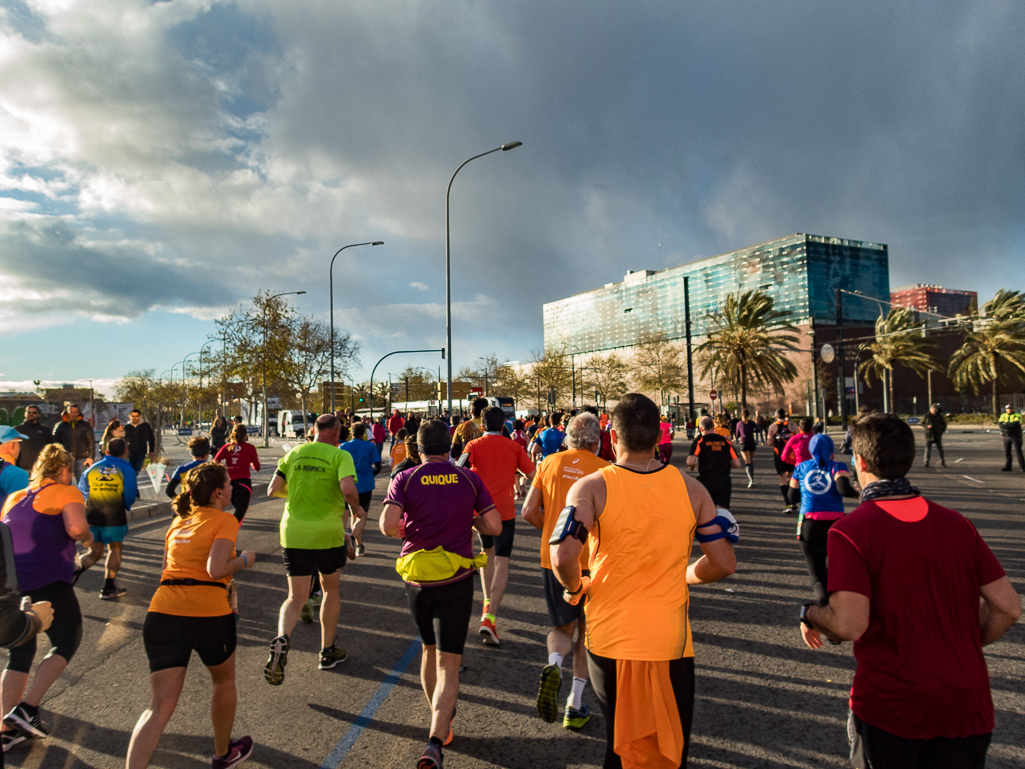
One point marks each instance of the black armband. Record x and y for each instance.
(568, 526)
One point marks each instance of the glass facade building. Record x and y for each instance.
(800, 272)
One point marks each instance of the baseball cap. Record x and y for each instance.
(8, 434)
(1008, 406)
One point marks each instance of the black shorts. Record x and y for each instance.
(65, 632)
(748, 446)
(364, 500)
(503, 542)
(559, 612)
(300, 562)
(781, 466)
(721, 490)
(880, 749)
(442, 613)
(170, 640)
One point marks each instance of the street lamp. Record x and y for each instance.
(331, 293)
(448, 264)
(266, 421)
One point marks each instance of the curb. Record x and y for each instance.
(151, 510)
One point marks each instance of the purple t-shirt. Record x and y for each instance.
(438, 502)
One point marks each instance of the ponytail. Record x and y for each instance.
(198, 486)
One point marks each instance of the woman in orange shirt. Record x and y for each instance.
(190, 611)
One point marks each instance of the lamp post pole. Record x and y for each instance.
(331, 294)
(266, 420)
(448, 263)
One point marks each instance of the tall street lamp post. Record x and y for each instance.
(266, 420)
(331, 293)
(448, 264)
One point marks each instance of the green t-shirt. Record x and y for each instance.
(314, 516)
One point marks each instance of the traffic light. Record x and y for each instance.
(361, 400)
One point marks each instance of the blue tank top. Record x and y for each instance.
(819, 493)
(551, 441)
(44, 552)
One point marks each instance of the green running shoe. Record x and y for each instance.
(306, 613)
(548, 693)
(576, 719)
(332, 656)
(274, 670)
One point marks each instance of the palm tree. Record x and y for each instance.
(898, 340)
(748, 341)
(996, 339)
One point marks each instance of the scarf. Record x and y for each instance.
(898, 487)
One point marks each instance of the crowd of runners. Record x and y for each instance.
(618, 523)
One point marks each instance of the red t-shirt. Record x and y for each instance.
(237, 457)
(921, 672)
(496, 459)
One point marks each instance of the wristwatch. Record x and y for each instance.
(804, 616)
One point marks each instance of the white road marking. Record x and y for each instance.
(973, 479)
(959, 460)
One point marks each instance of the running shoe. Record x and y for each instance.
(274, 671)
(430, 758)
(306, 614)
(110, 593)
(489, 631)
(331, 657)
(238, 751)
(360, 550)
(9, 739)
(448, 737)
(576, 718)
(750, 484)
(23, 720)
(548, 693)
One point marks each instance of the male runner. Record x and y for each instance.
(318, 480)
(497, 460)
(747, 435)
(12, 477)
(714, 457)
(1010, 431)
(436, 505)
(920, 593)
(469, 429)
(110, 487)
(639, 518)
(548, 441)
(777, 436)
(545, 500)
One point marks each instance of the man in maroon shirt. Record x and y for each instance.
(905, 581)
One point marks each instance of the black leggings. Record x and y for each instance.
(241, 493)
(65, 633)
(442, 613)
(603, 678)
(813, 543)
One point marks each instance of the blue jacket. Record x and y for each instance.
(364, 456)
(110, 488)
(817, 477)
(12, 478)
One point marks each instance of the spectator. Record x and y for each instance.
(395, 423)
(38, 436)
(76, 436)
(141, 441)
(114, 429)
(218, 433)
(935, 425)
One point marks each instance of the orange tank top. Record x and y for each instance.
(637, 605)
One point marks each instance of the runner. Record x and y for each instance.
(190, 612)
(796, 450)
(398, 449)
(548, 441)
(714, 458)
(45, 521)
(920, 594)
(1010, 431)
(777, 436)
(722, 427)
(819, 486)
(317, 480)
(520, 436)
(434, 509)
(378, 435)
(469, 429)
(218, 433)
(395, 424)
(238, 456)
(545, 500)
(665, 441)
(199, 448)
(110, 488)
(642, 518)
(412, 458)
(747, 432)
(497, 460)
(12, 477)
(935, 425)
(367, 460)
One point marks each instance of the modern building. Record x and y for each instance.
(935, 299)
(800, 272)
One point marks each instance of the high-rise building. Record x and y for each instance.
(800, 272)
(935, 299)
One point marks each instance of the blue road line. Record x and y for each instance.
(338, 753)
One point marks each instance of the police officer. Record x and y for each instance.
(1010, 430)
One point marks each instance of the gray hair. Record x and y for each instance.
(706, 423)
(584, 431)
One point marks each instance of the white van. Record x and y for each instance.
(290, 423)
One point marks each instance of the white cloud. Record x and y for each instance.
(419, 286)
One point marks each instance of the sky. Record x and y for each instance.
(162, 162)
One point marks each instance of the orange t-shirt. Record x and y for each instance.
(188, 542)
(398, 453)
(638, 600)
(603, 420)
(51, 500)
(554, 477)
(496, 459)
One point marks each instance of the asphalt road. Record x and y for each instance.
(764, 700)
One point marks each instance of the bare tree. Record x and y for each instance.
(308, 357)
(608, 375)
(550, 371)
(659, 366)
(155, 398)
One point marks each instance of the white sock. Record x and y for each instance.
(577, 693)
(555, 659)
